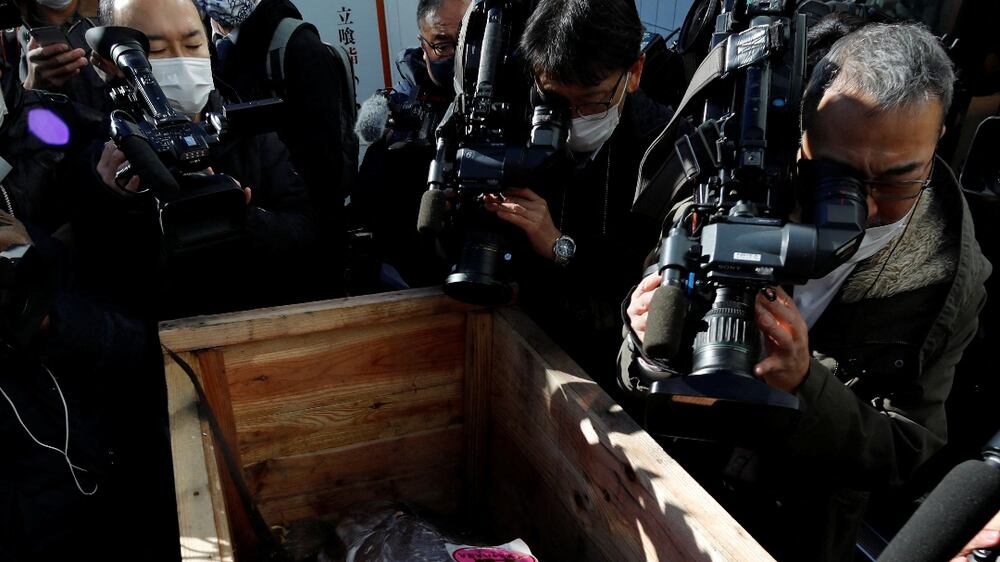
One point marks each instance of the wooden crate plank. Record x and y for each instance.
(438, 489)
(633, 499)
(378, 417)
(201, 513)
(356, 465)
(213, 376)
(519, 504)
(368, 392)
(478, 373)
(343, 366)
(207, 332)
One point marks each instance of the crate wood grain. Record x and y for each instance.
(414, 397)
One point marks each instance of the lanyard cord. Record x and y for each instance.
(65, 450)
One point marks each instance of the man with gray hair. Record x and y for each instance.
(869, 350)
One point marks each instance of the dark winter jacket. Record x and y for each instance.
(579, 305)
(312, 125)
(104, 361)
(415, 81)
(44, 137)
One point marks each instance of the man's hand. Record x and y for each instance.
(989, 537)
(112, 160)
(12, 232)
(247, 192)
(526, 210)
(638, 306)
(52, 66)
(787, 339)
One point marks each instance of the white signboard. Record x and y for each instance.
(353, 24)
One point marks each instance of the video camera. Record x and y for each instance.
(733, 240)
(412, 122)
(481, 149)
(169, 151)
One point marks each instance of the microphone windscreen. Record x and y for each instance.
(433, 209)
(958, 508)
(147, 165)
(372, 119)
(665, 323)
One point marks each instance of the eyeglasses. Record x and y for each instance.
(593, 111)
(441, 48)
(898, 190)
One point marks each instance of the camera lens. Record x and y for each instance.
(729, 342)
(477, 278)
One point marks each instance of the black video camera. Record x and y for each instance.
(481, 149)
(169, 151)
(412, 121)
(734, 240)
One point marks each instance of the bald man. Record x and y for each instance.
(280, 230)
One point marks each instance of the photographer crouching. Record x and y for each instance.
(868, 350)
(578, 224)
(265, 262)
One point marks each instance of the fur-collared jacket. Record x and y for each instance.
(873, 402)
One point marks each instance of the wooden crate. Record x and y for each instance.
(413, 396)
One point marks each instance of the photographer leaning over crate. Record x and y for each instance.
(395, 164)
(265, 50)
(269, 264)
(579, 225)
(869, 350)
(54, 54)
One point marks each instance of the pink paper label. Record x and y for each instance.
(490, 555)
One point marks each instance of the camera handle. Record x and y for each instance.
(659, 165)
(143, 160)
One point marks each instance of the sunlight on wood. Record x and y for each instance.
(197, 549)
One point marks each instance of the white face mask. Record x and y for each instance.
(55, 4)
(877, 237)
(813, 297)
(587, 136)
(186, 81)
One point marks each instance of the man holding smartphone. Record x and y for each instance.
(54, 52)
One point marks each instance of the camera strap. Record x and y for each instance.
(662, 173)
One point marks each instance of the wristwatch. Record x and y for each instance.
(564, 249)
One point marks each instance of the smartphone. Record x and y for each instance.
(48, 35)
